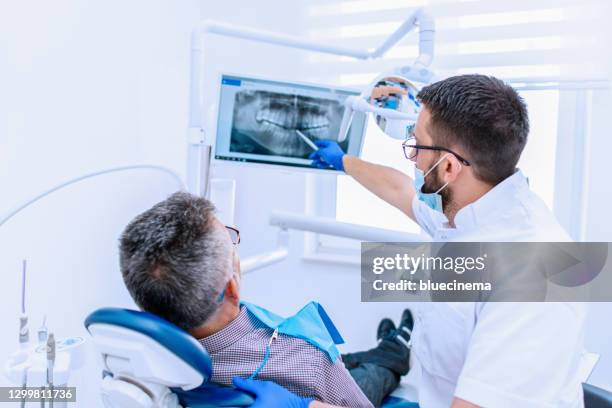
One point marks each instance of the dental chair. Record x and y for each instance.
(151, 363)
(595, 397)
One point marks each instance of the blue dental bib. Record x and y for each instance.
(311, 324)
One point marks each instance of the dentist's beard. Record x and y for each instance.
(433, 183)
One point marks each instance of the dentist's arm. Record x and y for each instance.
(389, 184)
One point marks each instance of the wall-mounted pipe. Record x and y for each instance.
(329, 226)
(34, 199)
(277, 255)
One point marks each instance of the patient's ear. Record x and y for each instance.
(232, 291)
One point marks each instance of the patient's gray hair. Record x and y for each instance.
(175, 262)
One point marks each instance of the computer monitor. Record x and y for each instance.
(259, 121)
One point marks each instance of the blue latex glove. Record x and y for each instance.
(329, 154)
(270, 395)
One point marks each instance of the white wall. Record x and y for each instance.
(84, 85)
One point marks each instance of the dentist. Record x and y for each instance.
(466, 144)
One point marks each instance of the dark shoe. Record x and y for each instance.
(404, 331)
(385, 328)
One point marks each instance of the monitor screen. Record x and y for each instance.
(271, 122)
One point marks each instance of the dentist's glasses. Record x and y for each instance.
(234, 234)
(411, 150)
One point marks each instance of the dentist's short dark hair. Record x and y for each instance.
(174, 261)
(483, 116)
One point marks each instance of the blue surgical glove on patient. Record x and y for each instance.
(329, 154)
(270, 395)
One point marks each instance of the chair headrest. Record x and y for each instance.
(168, 335)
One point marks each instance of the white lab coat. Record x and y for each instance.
(498, 354)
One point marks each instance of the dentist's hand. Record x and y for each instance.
(270, 395)
(329, 153)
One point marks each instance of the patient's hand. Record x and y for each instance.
(268, 394)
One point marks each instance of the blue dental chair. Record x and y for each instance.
(151, 363)
(595, 397)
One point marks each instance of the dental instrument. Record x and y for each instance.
(266, 355)
(307, 140)
(24, 385)
(42, 331)
(24, 332)
(50, 364)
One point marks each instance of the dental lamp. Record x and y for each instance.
(392, 100)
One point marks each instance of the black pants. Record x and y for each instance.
(378, 370)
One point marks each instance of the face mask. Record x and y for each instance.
(432, 200)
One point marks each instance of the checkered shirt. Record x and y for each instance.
(238, 350)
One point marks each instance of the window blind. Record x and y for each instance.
(514, 40)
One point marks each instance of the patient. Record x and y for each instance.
(180, 262)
